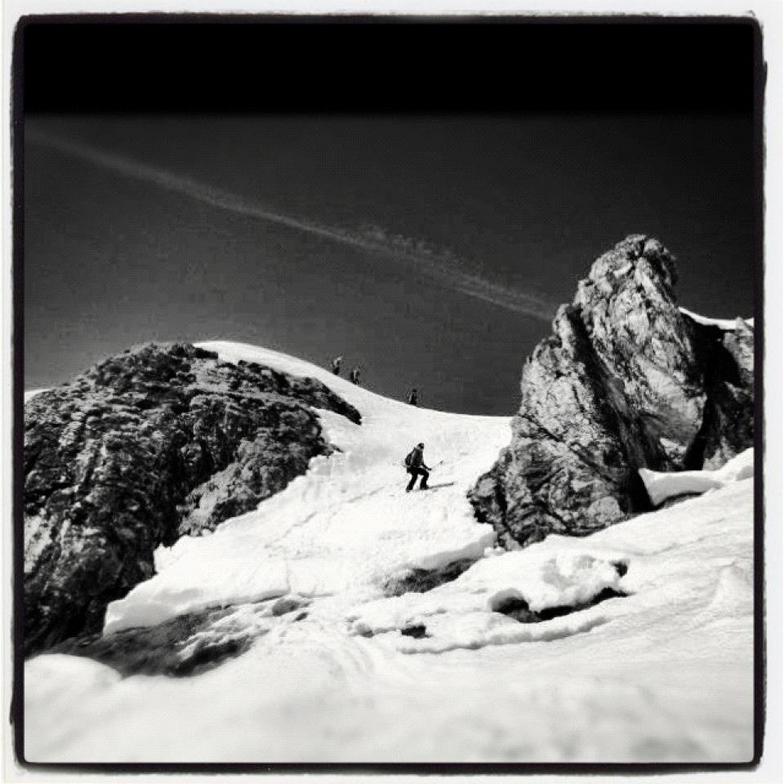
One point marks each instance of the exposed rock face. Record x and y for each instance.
(625, 381)
(185, 645)
(190, 643)
(728, 424)
(140, 449)
(423, 580)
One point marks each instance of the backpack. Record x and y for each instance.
(409, 461)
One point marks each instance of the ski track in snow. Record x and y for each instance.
(664, 674)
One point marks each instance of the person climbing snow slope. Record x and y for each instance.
(415, 465)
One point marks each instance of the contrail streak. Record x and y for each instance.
(442, 269)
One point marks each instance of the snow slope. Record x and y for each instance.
(346, 525)
(663, 673)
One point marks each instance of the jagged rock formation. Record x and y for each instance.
(625, 381)
(144, 447)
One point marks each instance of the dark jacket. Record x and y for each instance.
(417, 460)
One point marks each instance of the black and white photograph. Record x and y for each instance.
(389, 393)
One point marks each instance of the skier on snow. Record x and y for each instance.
(336, 365)
(415, 465)
(413, 397)
(354, 375)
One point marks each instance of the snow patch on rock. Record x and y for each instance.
(29, 394)
(726, 324)
(663, 485)
(460, 614)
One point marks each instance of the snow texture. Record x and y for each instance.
(660, 671)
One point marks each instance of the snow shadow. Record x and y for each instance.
(441, 484)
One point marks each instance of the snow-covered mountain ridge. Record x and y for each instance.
(357, 528)
(222, 563)
(660, 668)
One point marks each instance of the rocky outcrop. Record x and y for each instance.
(728, 424)
(417, 580)
(186, 645)
(625, 381)
(190, 643)
(144, 447)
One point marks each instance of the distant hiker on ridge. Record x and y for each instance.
(336, 365)
(415, 465)
(413, 396)
(354, 375)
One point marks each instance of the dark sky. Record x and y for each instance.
(429, 249)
